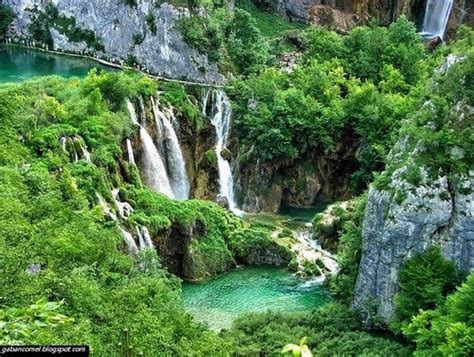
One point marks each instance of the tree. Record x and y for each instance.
(6, 17)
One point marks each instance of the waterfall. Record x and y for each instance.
(174, 156)
(309, 249)
(105, 207)
(436, 18)
(62, 142)
(129, 241)
(131, 157)
(221, 122)
(144, 238)
(154, 172)
(124, 208)
(133, 113)
(176, 163)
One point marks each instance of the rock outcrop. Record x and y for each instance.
(267, 186)
(421, 205)
(434, 213)
(124, 31)
(343, 15)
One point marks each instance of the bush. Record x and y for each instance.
(449, 329)
(332, 330)
(425, 280)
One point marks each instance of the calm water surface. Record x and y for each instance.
(219, 301)
(17, 64)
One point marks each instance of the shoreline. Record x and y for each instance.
(110, 64)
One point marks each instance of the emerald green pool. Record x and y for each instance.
(217, 302)
(17, 64)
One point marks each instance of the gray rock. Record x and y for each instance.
(33, 269)
(115, 23)
(435, 212)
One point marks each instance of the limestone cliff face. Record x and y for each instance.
(419, 207)
(434, 213)
(267, 186)
(115, 24)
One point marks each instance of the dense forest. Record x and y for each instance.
(378, 100)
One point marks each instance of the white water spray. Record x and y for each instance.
(144, 238)
(155, 175)
(221, 122)
(131, 157)
(436, 18)
(129, 241)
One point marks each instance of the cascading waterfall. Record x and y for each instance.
(144, 238)
(309, 249)
(131, 156)
(154, 169)
(105, 207)
(132, 111)
(124, 208)
(129, 241)
(436, 18)
(221, 121)
(174, 155)
(154, 172)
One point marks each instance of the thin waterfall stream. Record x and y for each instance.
(221, 120)
(436, 18)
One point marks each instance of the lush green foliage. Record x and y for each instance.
(349, 253)
(332, 97)
(424, 282)
(247, 241)
(6, 17)
(442, 125)
(230, 38)
(449, 329)
(50, 219)
(271, 25)
(19, 323)
(332, 330)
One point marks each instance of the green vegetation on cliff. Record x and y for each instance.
(355, 89)
(57, 246)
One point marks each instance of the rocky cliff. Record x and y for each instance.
(428, 200)
(144, 33)
(343, 15)
(267, 186)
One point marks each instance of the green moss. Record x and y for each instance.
(309, 268)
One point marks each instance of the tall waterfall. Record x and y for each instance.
(436, 17)
(173, 153)
(221, 121)
(154, 168)
(154, 172)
